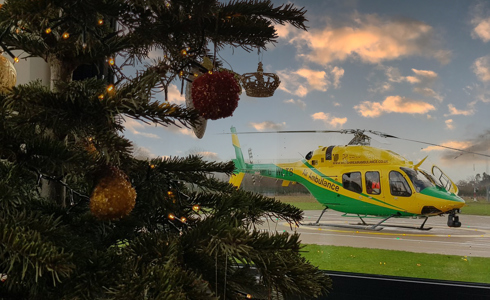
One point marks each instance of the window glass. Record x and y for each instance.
(373, 185)
(419, 180)
(398, 185)
(352, 182)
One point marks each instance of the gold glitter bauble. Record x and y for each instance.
(8, 74)
(113, 197)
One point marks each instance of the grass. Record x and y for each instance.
(399, 263)
(308, 202)
(396, 263)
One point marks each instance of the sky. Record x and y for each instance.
(417, 70)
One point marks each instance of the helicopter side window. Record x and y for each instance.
(352, 181)
(398, 185)
(372, 183)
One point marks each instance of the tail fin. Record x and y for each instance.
(237, 177)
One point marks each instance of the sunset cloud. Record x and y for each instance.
(451, 144)
(422, 80)
(481, 68)
(298, 102)
(453, 111)
(393, 104)
(303, 81)
(449, 124)
(478, 144)
(371, 39)
(136, 128)
(267, 125)
(329, 120)
(174, 95)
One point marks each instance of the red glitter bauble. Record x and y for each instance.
(215, 95)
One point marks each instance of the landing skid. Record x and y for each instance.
(378, 226)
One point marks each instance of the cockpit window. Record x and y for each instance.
(418, 179)
(309, 155)
(398, 185)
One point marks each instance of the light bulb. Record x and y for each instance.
(171, 216)
(111, 61)
(48, 30)
(110, 88)
(66, 35)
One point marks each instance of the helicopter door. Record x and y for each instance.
(444, 180)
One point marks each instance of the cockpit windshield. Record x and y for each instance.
(419, 180)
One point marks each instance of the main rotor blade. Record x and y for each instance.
(432, 144)
(294, 131)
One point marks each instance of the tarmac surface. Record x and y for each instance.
(471, 239)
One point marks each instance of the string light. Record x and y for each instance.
(111, 61)
(16, 59)
(171, 216)
(152, 166)
(196, 207)
(48, 30)
(101, 96)
(249, 296)
(110, 88)
(66, 35)
(183, 219)
(181, 73)
(183, 52)
(100, 22)
(210, 72)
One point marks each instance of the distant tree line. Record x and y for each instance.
(477, 185)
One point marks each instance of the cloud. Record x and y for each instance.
(451, 144)
(303, 81)
(393, 104)
(142, 153)
(208, 155)
(481, 68)
(480, 22)
(453, 111)
(371, 39)
(267, 125)
(327, 119)
(174, 95)
(423, 81)
(478, 144)
(337, 74)
(449, 124)
(298, 102)
(135, 126)
(180, 130)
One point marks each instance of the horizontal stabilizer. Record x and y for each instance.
(236, 179)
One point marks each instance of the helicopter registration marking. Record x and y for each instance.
(320, 180)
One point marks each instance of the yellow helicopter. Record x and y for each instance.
(364, 181)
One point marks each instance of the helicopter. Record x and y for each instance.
(363, 181)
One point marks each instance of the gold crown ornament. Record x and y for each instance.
(260, 84)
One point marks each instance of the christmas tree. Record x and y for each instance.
(80, 216)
